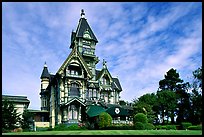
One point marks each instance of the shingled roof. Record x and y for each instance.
(45, 73)
(82, 27)
(116, 84)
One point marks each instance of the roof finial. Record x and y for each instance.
(104, 63)
(45, 65)
(82, 13)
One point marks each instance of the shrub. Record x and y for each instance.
(18, 130)
(40, 129)
(199, 127)
(60, 127)
(140, 117)
(49, 129)
(149, 126)
(171, 127)
(161, 127)
(105, 120)
(139, 126)
(73, 127)
(185, 125)
(5, 130)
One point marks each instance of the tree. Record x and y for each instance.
(9, 115)
(169, 83)
(167, 103)
(183, 103)
(145, 104)
(198, 77)
(196, 97)
(26, 120)
(170, 80)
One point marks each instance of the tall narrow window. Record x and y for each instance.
(87, 94)
(94, 93)
(74, 90)
(74, 112)
(90, 93)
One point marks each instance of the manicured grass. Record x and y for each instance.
(112, 132)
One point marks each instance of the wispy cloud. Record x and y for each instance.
(140, 41)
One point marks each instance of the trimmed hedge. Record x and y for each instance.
(149, 126)
(171, 127)
(64, 127)
(167, 127)
(139, 126)
(185, 125)
(159, 127)
(199, 127)
(41, 128)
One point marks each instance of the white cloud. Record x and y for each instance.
(140, 46)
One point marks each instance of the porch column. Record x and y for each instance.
(65, 114)
(79, 116)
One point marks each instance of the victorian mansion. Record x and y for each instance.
(79, 91)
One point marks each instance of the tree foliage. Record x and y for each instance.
(26, 120)
(145, 104)
(9, 115)
(105, 120)
(140, 117)
(169, 84)
(174, 98)
(196, 97)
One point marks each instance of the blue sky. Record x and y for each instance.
(140, 41)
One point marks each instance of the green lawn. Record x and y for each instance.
(112, 132)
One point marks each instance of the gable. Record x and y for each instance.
(74, 55)
(103, 72)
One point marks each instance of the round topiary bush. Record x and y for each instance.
(139, 126)
(140, 117)
(105, 120)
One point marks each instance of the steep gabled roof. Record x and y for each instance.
(100, 73)
(116, 84)
(82, 27)
(45, 73)
(75, 53)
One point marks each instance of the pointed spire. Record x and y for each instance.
(82, 13)
(45, 73)
(45, 65)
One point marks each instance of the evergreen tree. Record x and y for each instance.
(183, 103)
(9, 115)
(170, 83)
(196, 97)
(26, 120)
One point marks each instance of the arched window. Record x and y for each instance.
(74, 90)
